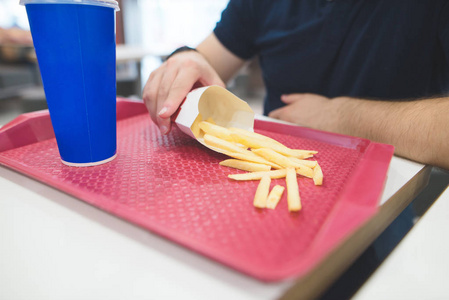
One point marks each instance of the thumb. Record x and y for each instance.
(276, 114)
(290, 98)
(212, 79)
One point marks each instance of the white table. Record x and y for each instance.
(419, 267)
(124, 53)
(53, 246)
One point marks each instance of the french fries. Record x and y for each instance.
(264, 159)
(274, 196)
(224, 146)
(317, 175)
(252, 158)
(274, 157)
(258, 175)
(245, 165)
(215, 130)
(260, 198)
(307, 163)
(255, 140)
(253, 135)
(293, 198)
(305, 171)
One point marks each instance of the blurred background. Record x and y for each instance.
(147, 31)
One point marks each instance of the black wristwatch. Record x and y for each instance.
(181, 49)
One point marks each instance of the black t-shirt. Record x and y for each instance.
(376, 49)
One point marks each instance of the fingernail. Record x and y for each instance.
(163, 129)
(162, 111)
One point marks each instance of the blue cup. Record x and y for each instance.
(75, 48)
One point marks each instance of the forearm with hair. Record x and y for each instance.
(418, 129)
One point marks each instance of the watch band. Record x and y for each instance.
(181, 49)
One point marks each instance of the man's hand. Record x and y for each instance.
(308, 110)
(417, 129)
(211, 64)
(172, 81)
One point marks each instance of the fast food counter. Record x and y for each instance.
(54, 246)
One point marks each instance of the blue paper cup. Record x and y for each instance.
(75, 48)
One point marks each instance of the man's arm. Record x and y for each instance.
(418, 129)
(224, 62)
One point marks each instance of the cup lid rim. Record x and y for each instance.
(107, 3)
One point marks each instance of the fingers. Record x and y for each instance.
(162, 118)
(167, 79)
(212, 78)
(168, 104)
(150, 92)
(276, 114)
(168, 86)
(180, 87)
(287, 99)
(156, 92)
(290, 98)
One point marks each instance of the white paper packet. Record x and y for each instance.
(216, 103)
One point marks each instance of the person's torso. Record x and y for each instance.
(382, 49)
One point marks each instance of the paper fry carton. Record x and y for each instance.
(213, 103)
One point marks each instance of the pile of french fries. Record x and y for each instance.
(264, 159)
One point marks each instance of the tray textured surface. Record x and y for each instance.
(174, 186)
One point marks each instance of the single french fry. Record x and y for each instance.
(260, 198)
(262, 141)
(274, 196)
(252, 158)
(305, 155)
(293, 198)
(249, 141)
(215, 130)
(301, 154)
(307, 163)
(224, 146)
(317, 175)
(275, 157)
(258, 175)
(195, 128)
(254, 135)
(305, 171)
(256, 141)
(286, 162)
(245, 165)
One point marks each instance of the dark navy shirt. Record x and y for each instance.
(376, 49)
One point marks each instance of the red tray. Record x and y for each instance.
(173, 186)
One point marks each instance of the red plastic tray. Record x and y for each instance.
(173, 186)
